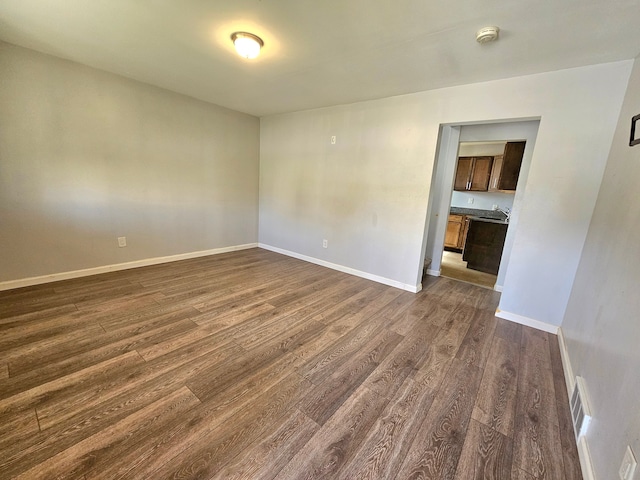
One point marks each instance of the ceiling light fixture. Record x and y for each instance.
(487, 34)
(247, 45)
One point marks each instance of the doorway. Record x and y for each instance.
(474, 140)
(484, 188)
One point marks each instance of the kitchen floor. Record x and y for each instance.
(454, 267)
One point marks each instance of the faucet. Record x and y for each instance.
(506, 212)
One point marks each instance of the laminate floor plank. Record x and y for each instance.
(335, 354)
(335, 444)
(266, 457)
(509, 330)
(486, 454)
(402, 362)
(31, 372)
(537, 443)
(209, 450)
(255, 365)
(327, 397)
(437, 446)
(113, 441)
(24, 319)
(495, 404)
(385, 447)
(102, 413)
(476, 344)
(18, 425)
(100, 344)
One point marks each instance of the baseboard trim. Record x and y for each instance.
(56, 277)
(433, 273)
(529, 322)
(585, 459)
(569, 377)
(343, 269)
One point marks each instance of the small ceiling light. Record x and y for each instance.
(247, 44)
(487, 34)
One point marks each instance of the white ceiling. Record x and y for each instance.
(322, 52)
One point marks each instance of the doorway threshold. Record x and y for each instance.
(455, 268)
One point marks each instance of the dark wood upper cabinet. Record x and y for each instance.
(463, 173)
(472, 174)
(506, 168)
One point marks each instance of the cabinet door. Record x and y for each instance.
(480, 174)
(454, 228)
(495, 173)
(463, 173)
(463, 235)
(511, 164)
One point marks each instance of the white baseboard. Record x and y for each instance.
(433, 273)
(56, 277)
(529, 322)
(585, 459)
(342, 268)
(570, 379)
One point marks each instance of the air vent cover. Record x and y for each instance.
(580, 411)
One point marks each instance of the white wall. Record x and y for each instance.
(368, 193)
(87, 156)
(601, 324)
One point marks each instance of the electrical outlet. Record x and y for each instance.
(122, 242)
(494, 206)
(325, 243)
(628, 467)
(470, 200)
(333, 139)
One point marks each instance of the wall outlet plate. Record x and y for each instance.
(325, 243)
(122, 242)
(629, 464)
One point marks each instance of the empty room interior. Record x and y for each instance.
(337, 239)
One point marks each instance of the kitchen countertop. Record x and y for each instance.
(493, 216)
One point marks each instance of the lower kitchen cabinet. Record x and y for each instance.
(456, 231)
(484, 245)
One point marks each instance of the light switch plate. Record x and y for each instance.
(628, 467)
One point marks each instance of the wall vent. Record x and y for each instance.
(580, 411)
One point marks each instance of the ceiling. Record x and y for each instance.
(322, 52)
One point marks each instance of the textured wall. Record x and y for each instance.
(87, 156)
(601, 325)
(368, 194)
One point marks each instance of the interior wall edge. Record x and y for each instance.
(56, 277)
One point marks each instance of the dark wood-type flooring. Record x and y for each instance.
(255, 365)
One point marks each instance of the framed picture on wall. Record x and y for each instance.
(633, 140)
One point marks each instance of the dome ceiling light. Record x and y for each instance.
(247, 45)
(487, 34)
